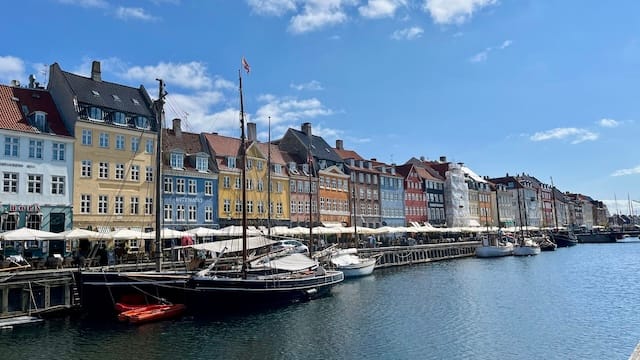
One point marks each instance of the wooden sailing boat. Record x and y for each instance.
(293, 277)
(498, 246)
(561, 238)
(525, 246)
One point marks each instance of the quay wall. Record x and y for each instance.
(417, 254)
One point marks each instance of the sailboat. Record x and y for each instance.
(280, 279)
(561, 238)
(525, 246)
(494, 246)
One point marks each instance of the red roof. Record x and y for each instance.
(12, 100)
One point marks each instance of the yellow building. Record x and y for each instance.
(114, 152)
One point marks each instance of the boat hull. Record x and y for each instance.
(493, 251)
(596, 238)
(363, 268)
(564, 240)
(526, 250)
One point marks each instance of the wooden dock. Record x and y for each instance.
(417, 254)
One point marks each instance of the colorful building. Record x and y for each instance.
(36, 163)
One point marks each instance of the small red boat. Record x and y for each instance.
(122, 307)
(131, 310)
(159, 313)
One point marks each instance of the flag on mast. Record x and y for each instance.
(245, 65)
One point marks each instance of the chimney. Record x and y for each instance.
(443, 159)
(422, 158)
(339, 145)
(374, 159)
(177, 129)
(306, 128)
(15, 83)
(251, 131)
(95, 71)
(32, 81)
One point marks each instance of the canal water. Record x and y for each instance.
(575, 303)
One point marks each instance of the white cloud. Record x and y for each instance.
(311, 85)
(505, 44)
(272, 7)
(609, 123)
(481, 56)
(454, 11)
(192, 75)
(126, 13)
(624, 172)
(318, 14)
(408, 33)
(576, 135)
(86, 3)
(11, 68)
(380, 8)
(221, 83)
(290, 109)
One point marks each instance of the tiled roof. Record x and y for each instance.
(12, 117)
(84, 87)
(276, 154)
(348, 154)
(221, 147)
(187, 142)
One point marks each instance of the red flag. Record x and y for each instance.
(245, 65)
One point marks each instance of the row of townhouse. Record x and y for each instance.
(82, 153)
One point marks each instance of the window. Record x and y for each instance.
(177, 161)
(35, 149)
(192, 186)
(9, 221)
(277, 168)
(58, 151)
(34, 184)
(231, 162)
(249, 184)
(87, 137)
(39, 120)
(57, 185)
(148, 206)
(119, 142)
(280, 187)
(238, 183)
(119, 118)
(85, 204)
(180, 186)
(33, 222)
(85, 168)
(103, 204)
(260, 185)
(192, 213)
(249, 164)
(292, 206)
(179, 212)
(104, 140)
(226, 182)
(119, 172)
(118, 205)
(292, 186)
(95, 113)
(208, 214)
(259, 164)
(103, 170)
(168, 212)
(149, 146)
(10, 183)
(135, 144)
(226, 206)
(202, 164)
(142, 122)
(238, 206)
(11, 146)
(208, 188)
(279, 208)
(249, 207)
(135, 172)
(135, 204)
(260, 207)
(168, 185)
(148, 174)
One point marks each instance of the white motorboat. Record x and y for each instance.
(495, 248)
(352, 265)
(526, 247)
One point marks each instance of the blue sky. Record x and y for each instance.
(548, 88)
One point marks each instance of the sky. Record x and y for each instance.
(546, 88)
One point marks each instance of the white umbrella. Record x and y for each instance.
(235, 230)
(29, 234)
(126, 234)
(166, 234)
(84, 234)
(203, 231)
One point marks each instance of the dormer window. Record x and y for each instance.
(40, 120)
(95, 93)
(96, 114)
(277, 168)
(202, 164)
(323, 164)
(177, 161)
(135, 101)
(231, 162)
(116, 98)
(141, 122)
(119, 118)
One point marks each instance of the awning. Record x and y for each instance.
(474, 223)
(332, 224)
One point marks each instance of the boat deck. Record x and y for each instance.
(9, 323)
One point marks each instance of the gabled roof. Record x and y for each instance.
(84, 87)
(276, 154)
(222, 147)
(429, 168)
(187, 142)
(319, 148)
(348, 154)
(12, 118)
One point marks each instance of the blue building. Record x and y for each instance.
(189, 182)
(391, 195)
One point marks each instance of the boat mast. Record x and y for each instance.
(159, 104)
(269, 182)
(243, 172)
(553, 197)
(355, 215)
(520, 211)
(310, 165)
